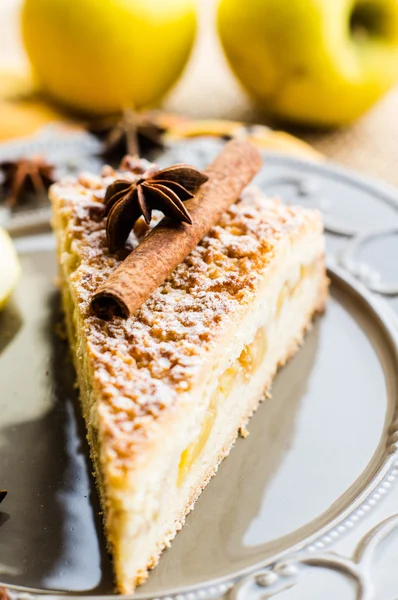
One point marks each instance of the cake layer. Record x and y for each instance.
(165, 392)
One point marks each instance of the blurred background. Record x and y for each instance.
(208, 87)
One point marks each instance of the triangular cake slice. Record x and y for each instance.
(165, 392)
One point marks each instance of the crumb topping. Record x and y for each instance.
(141, 365)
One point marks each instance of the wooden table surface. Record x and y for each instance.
(208, 89)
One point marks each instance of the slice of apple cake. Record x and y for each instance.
(165, 392)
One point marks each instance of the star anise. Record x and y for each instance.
(25, 174)
(3, 494)
(133, 133)
(165, 190)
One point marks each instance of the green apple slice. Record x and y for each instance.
(10, 268)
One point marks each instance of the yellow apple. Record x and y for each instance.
(9, 268)
(319, 62)
(99, 56)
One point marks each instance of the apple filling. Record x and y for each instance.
(194, 450)
(249, 360)
(289, 289)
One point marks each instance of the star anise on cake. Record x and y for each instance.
(165, 190)
(25, 175)
(3, 494)
(133, 133)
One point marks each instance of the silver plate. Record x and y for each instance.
(315, 473)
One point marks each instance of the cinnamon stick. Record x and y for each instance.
(169, 243)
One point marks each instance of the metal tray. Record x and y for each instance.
(312, 486)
